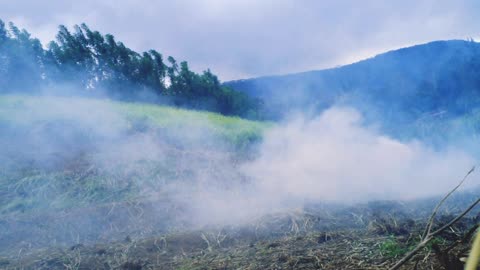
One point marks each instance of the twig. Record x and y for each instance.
(456, 219)
(428, 235)
(434, 213)
(464, 239)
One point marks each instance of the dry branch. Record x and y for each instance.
(428, 235)
(428, 228)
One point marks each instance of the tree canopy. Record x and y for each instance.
(97, 64)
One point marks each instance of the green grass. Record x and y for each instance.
(391, 248)
(234, 130)
(25, 189)
(25, 110)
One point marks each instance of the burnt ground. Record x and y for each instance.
(86, 209)
(367, 236)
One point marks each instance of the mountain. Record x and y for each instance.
(436, 80)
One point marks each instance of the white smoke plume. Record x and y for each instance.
(334, 157)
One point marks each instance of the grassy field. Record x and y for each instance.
(72, 128)
(234, 130)
(97, 184)
(77, 168)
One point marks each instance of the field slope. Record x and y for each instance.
(77, 169)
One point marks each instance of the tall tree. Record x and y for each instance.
(87, 59)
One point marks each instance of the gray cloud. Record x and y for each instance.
(244, 38)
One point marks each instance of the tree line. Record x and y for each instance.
(97, 64)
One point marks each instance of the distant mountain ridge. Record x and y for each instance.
(395, 88)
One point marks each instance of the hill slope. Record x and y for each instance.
(440, 78)
(83, 169)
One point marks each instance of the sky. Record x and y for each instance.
(239, 39)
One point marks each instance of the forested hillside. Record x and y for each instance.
(432, 81)
(86, 62)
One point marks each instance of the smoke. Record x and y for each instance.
(108, 169)
(333, 157)
(77, 169)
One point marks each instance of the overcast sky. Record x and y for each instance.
(248, 38)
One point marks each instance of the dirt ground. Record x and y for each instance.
(370, 236)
